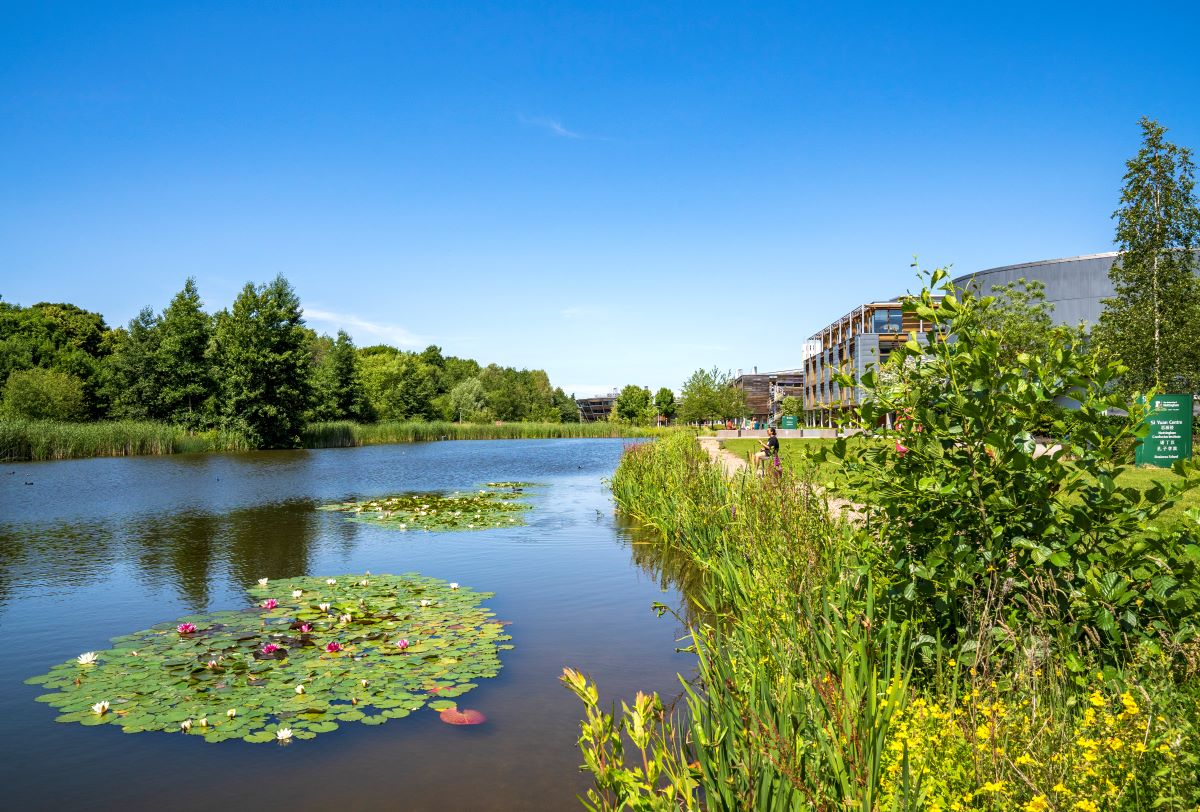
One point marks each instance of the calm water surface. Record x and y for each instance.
(92, 549)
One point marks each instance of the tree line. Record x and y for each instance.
(254, 369)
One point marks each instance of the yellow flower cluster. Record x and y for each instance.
(988, 752)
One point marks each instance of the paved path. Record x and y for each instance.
(735, 465)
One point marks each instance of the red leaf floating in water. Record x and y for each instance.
(454, 716)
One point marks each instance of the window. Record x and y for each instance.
(886, 321)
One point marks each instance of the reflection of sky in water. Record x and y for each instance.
(97, 548)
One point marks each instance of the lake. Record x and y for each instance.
(92, 549)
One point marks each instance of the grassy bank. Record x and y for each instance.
(22, 440)
(814, 691)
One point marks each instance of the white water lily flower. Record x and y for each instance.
(297, 593)
(299, 689)
(88, 658)
(263, 581)
(203, 722)
(324, 607)
(283, 734)
(331, 581)
(453, 585)
(364, 683)
(425, 602)
(363, 582)
(403, 527)
(232, 712)
(345, 618)
(185, 725)
(100, 708)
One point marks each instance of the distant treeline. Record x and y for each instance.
(251, 376)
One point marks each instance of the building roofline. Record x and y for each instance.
(1036, 263)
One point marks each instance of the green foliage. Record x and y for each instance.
(60, 337)
(981, 536)
(632, 405)
(792, 406)
(398, 385)
(338, 389)
(134, 379)
(709, 395)
(568, 409)
(798, 680)
(184, 372)
(1152, 325)
(262, 361)
(495, 506)
(664, 403)
(315, 652)
(345, 434)
(1022, 319)
(468, 402)
(42, 394)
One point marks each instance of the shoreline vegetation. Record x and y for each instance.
(44, 440)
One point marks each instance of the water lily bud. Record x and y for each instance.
(344, 618)
(299, 689)
(363, 582)
(232, 712)
(212, 663)
(203, 722)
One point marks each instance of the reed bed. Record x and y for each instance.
(345, 434)
(49, 440)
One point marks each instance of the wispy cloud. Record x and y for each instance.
(556, 128)
(391, 333)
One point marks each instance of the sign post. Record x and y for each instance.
(1170, 436)
(788, 421)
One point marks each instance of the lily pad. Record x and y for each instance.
(454, 716)
(400, 640)
(497, 505)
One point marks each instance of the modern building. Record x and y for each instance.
(597, 408)
(862, 338)
(1074, 285)
(758, 394)
(784, 383)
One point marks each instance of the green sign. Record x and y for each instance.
(1170, 437)
(788, 421)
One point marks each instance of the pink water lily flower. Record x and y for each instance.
(186, 628)
(334, 646)
(270, 648)
(270, 603)
(306, 627)
(402, 644)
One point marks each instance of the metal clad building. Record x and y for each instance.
(1074, 285)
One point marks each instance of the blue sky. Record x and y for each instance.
(614, 192)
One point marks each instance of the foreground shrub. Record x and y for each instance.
(983, 537)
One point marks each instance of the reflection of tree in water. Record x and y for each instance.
(271, 541)
(667, 565)
(63, 555)
(180, 550)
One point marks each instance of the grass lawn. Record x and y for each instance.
(793, 454)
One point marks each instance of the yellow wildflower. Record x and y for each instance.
(1086, 806)
(993, 786)
(1060, 788)
(1131, 707)
(1024, 759)
(1037, 804)
(1097, 699)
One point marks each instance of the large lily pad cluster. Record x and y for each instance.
(313, 653)
(497, 505)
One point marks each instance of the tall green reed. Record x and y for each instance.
(343, 434)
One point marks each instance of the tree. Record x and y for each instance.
(710, 395)
(184, 368)
(1150, 326)
(262, 360)
(792, 406)
(631, 403)
(133, 380)
(43, 394)
(1019, 312)
(468, 401)
(398, 385)
(568, 409)
(61, 337)
(664, 402)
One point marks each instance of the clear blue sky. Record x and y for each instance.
(615, 192)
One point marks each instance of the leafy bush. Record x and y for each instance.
(43, 394)
(982, 535)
